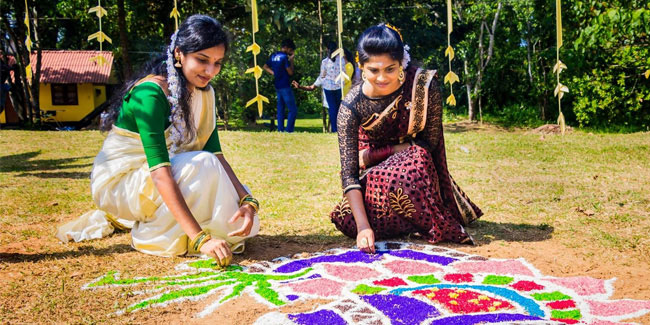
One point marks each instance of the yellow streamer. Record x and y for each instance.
(340, 52)
(100, 36)
(28, 45)
(451, 77)
(256, 70)
(175, 14)
(560, 89)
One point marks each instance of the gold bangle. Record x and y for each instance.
(204, 240)
(252, 202)
(241, 201)
(255, 207)
(197, 238)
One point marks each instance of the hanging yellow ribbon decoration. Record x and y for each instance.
(99, 36)
(175, 14)
(256, 70)
(340, 52)
(560, 89)
(28, 45)
(451, 77)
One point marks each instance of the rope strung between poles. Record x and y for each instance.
(256, 70)
(100, 36)
(451, 77)
(560, 89)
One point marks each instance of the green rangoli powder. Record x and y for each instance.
(550, 296)
(497, 279)
(423, 279)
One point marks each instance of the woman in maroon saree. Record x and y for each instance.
(393, 162)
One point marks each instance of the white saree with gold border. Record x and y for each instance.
(123, 190)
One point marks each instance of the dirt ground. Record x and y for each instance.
(26, 263)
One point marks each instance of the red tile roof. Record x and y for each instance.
(71, 67)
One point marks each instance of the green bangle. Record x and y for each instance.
(203, 240)
(252, 202)
(193, 243)
(241, 201)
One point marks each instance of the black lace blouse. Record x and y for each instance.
(356, 108)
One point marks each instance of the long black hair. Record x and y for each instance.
(331, 48)
(380, 39)
(196, 33)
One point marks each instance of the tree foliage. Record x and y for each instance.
(504, 61)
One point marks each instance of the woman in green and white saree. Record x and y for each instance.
(161, 165)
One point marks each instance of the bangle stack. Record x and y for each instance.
(248, 199)
(200, 239)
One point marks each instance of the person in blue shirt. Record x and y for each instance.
(280, 65)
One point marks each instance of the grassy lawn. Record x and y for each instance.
(573, 205)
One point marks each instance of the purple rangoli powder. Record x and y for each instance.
(402, 310)
(315, 276)
(319, 317)
(347, 257)
(483, 319)
(361, 257)
(419, 256)
(292, 297)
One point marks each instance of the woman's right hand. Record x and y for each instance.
(219, 250)
(366, 240)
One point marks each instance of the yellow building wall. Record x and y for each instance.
(89, 96)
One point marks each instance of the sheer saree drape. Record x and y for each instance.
(123, 190)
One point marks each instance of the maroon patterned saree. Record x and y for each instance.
(410, 191)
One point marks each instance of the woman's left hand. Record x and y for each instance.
(248, 213)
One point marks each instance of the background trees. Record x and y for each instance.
(505, 49)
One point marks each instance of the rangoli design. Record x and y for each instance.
(403, 283)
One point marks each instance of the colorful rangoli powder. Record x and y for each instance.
(402, 284)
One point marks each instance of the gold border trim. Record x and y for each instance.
(124, 132)
(116, 224)
(375, 118)
(159, 166)
(351, 187)
(419, 110)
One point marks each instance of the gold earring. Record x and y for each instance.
(178, 62)
(401, 75)
(363, 76)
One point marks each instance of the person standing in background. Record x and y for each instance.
(280, 66)
(329, 70)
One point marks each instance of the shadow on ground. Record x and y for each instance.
(25, 162)
(265, 247)
(68, 254)
(485, 232)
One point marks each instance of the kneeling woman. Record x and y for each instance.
(393, 163)
(161, 164)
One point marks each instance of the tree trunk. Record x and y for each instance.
(544, 94)
(468, 87)
(37, 74)
(483, 59)
(320, 58)
(127, 69)
(528, 49)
